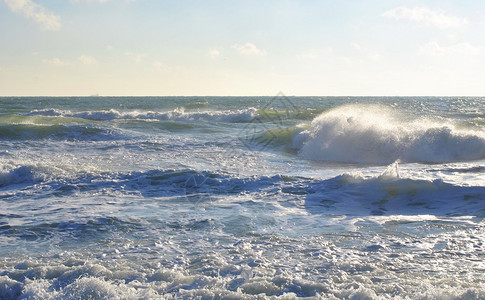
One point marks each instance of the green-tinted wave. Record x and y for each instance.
(16, 119)
(73, 132)
(197, 104)
(279, 137)
(272, 115)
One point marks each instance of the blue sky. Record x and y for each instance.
(242, 47)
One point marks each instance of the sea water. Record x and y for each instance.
(242, 197)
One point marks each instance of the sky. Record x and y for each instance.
(242, 47)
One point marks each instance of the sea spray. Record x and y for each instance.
(377, 135)
(97, 198)
(178, 114)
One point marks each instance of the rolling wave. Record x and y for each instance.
(353, 194)
(374, 134)
(389, 194)
(179, 114)
(20, 175)
(65, 132)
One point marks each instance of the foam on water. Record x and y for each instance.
(135, 198)
(179, 114)
(271, 266)
(390, 194)
(352, 194)
(257, 237)
(375, 134)
(21, 175)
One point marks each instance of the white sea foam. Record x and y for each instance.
(21, 175)
(375, 134)
(261, 267)
(179, 114)
(86, 217)
(390, 194)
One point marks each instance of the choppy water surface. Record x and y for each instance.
(233, 197)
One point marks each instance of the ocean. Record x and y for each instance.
(242, 197)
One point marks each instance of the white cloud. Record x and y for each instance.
(87, 60)
(137, 57)
(357, 46)
(39, 14)
(426, 16)
(213, 53)
(435, 49)
(83, 59)
(57, 62)
(249, 49)
(158, 65)
(369, 54)
(307, 55)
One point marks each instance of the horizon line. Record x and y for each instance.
(276, 95)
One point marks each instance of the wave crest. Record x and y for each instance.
(20, 175)
(375, 134)
(179, 114)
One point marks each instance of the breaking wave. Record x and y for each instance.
(375, 134)
(391, 194)
(348, 193)
(179, 114)
(20, 175)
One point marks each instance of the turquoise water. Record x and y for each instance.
(242, 197)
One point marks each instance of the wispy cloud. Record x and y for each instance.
(249, 49)
(83, 59)
(213, 53)
(36, 12)
(426, 16)
(435, 49)
(137, 57)
(87, 60)
(369, 54)
(159, 66)
(57, 62)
